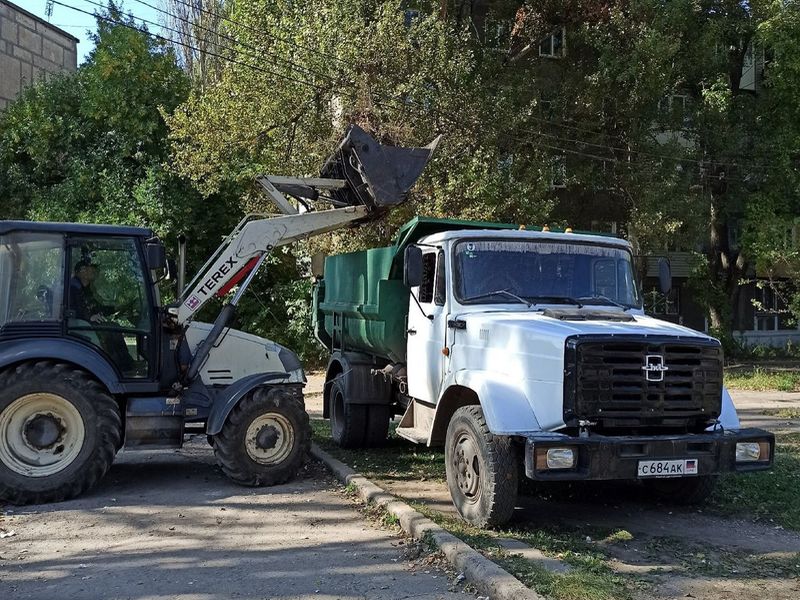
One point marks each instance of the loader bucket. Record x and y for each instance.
(378, 176)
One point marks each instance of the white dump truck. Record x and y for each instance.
(524, 351)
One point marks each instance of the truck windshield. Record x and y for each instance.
(493, 271)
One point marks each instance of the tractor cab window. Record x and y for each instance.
(31, 277)
(108, 303)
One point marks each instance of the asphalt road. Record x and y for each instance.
(168, 525)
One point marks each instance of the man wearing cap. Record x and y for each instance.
(81, 297)
(86, 307)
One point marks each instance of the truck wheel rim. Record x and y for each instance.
(466, 465)
(269, 439)
(40, 434)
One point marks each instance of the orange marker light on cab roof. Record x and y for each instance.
(546, 228)
(568, 230)
(446, 351)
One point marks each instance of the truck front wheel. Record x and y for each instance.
(59, 432)
(265, 438)
(683, 490)
(482, 469)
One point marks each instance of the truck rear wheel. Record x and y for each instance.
(59, 432)
(356, 425)
(482, 469)
(684, 490)
(265, 438)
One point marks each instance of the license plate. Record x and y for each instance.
(667, 468)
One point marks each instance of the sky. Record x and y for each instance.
(80, 24)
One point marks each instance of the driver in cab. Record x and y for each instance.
(81, 296)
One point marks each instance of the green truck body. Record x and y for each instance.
(361, 304)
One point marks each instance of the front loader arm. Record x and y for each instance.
(362, 180)
(249, 243)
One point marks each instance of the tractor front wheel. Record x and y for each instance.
(265, 438)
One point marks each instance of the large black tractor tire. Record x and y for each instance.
(59, 432)
(265, 439)
(685, 491)
(482, 469)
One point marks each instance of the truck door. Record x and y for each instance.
(426, 333)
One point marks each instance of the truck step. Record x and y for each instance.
(417, 422)
(413, 434)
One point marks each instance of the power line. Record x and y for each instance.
(292, 65)
(161, 37)
(646, 153)
(260, 32)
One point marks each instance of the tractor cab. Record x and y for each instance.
(88, 284)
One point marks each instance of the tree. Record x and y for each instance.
(92, 146)
(305, 70)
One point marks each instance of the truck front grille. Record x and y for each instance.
(635, 382)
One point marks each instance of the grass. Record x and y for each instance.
(783, 413)
(761, 380)
(724, 563)
(590, 578)
(772, 496)
(398, 460)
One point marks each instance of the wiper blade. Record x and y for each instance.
(499, 293)
(555, 300)
(605, 299)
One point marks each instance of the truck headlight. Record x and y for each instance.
(556, 458)
(752, 452)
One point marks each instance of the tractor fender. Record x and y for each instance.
(226, 398)
(505, 405)
(62, 350)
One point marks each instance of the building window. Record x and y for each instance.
(559, 166)
(554, 45)
(605, 227)
(675, 108)
(656, 303)
(410, 16)
(770, 310)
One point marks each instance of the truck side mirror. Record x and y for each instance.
(155, 255)
(412, 266)
(664, 275)
(318, 265)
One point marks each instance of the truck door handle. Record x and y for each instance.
(411, 332)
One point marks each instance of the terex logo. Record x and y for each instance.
(211, 283)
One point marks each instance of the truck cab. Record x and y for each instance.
(531, 347)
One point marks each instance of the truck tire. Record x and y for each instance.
(482, 469)
(684, 490)
(265, 438)
(377, 425)
(59, 432)
(348, 421)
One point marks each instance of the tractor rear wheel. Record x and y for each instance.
(59, 432)
(265, 438)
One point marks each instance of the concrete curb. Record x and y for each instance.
(485, 575)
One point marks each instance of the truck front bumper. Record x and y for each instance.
(617, 457)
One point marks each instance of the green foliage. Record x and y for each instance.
(404, 83)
